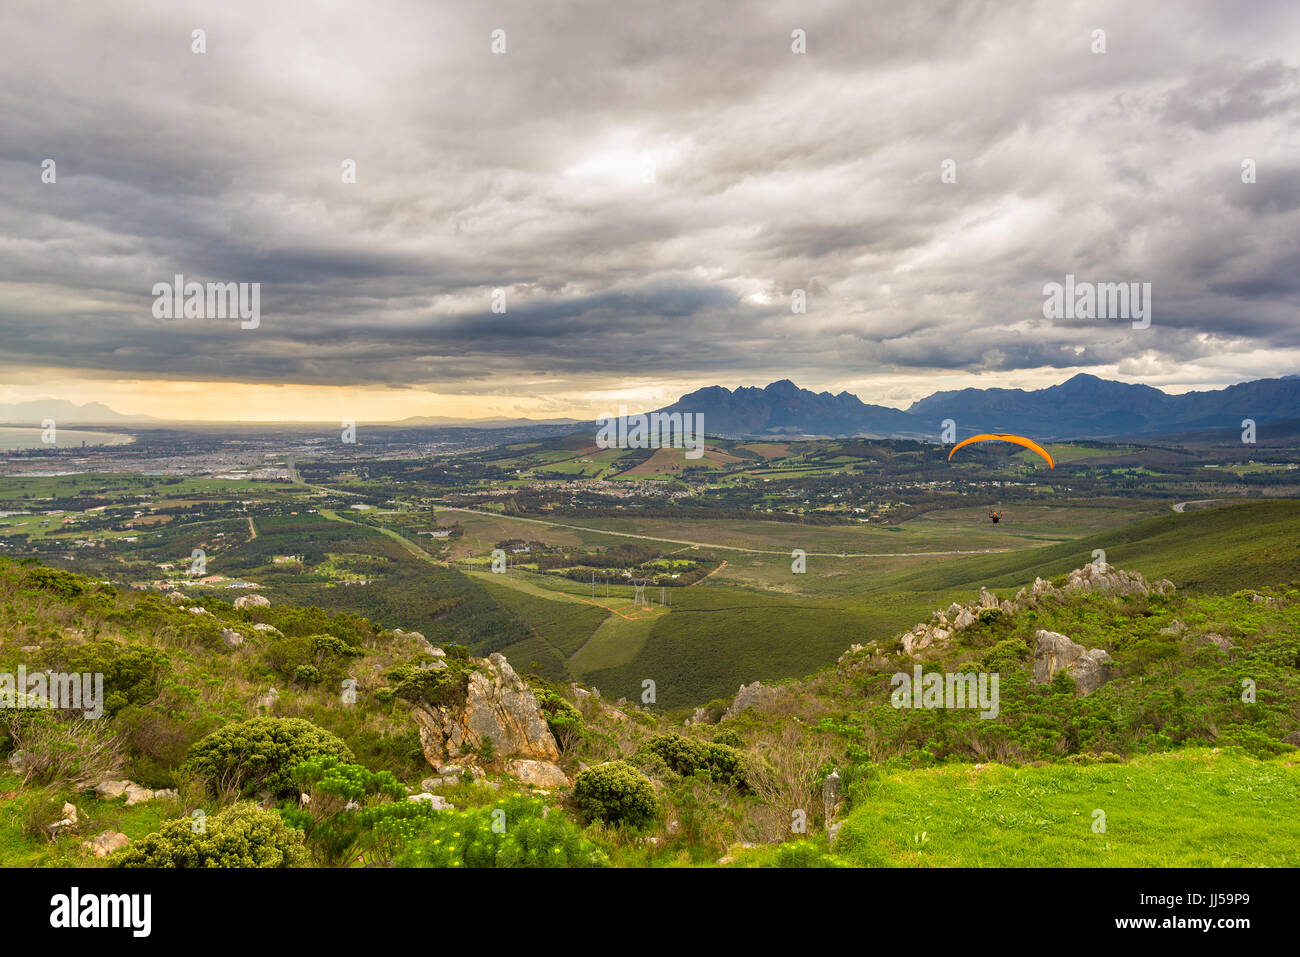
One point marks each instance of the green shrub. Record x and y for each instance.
(242, 835)
(261, 753)
(617, 793)
(729, 738)
(335, 818)
(310, 659)
(519, 832)
(1006, 654)
(447, 687)
(689, 756)
(564, 720)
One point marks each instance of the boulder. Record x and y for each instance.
(176, 598)
(268, 628)
(1220, 642)
(538, 774)
(1175, 627)
(111, 790)
(498, 706)
(1292, 738)
(106, 842)
(232, 638)
(436, 801)
(268, 700)
(251, 601)
(1055, 652)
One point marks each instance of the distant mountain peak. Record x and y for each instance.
(1083, 406)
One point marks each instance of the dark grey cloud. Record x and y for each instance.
(771, 172)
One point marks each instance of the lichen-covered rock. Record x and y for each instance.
(924, 636)
(435, 801)
(251, 601)
(500, 707)
(106, 843)
(1107, 579)
(538, 774)
(756, 695)
(1055, 652)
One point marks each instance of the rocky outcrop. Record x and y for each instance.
(1106, 579)
(923, 636)
(1095, 577)
(500, 707)
(177, 597)
(135, 793)
(251, 601)
(232, 638)
(756, 695)
(1055, 652)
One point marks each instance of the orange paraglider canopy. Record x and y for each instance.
(1005, 437)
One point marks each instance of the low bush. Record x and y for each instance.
(241, 835)
(260, 754)
(689, 756)
(616, 793)
(519, 832)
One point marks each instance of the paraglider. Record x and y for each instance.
(995, 517)
(1005, 437)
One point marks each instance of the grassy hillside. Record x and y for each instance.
(1201, 808)
(1253, 544)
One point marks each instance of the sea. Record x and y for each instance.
(18, 438)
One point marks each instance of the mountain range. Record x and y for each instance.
(1082, 407)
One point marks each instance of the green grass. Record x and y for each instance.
(1206, 808)
(18, 848)
(565, 625)
(1252, 544)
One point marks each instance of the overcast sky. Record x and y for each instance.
(526, 171)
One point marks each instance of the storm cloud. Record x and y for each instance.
(647, 185)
